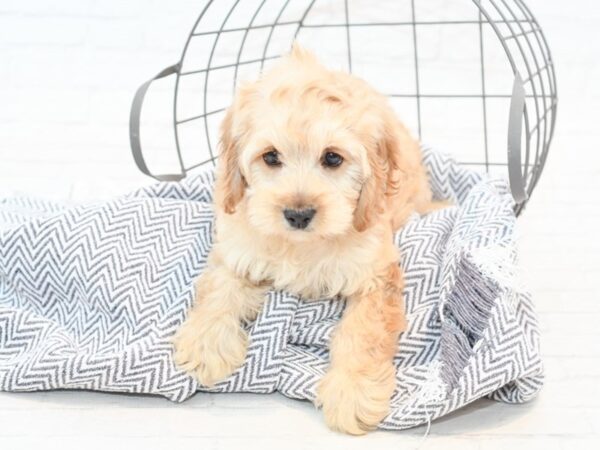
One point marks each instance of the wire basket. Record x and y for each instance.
(474, 77)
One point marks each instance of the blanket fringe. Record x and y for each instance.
(431, 391)
(485, 275)
(500, 263)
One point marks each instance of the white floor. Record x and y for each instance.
(561, 262)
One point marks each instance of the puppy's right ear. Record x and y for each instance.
(230, 183)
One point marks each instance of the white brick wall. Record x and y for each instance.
(68, 71)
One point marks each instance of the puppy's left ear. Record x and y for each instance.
(385, 162)
(230, 182)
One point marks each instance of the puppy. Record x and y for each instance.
(316, 174)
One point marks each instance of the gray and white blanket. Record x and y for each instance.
(91, 295)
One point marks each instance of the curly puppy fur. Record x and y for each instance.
(276, 144)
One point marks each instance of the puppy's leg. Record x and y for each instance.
(433, 205)
(211, 343)
(355, 393)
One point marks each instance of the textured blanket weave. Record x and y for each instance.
(91, 295)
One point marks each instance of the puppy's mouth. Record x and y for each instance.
(299, 219)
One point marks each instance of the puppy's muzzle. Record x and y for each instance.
(299, 218)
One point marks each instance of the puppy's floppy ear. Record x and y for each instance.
(384, 157)
(231, 183)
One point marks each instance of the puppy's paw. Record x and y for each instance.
(210, 351)
(355, 403)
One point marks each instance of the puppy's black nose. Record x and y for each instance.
(299, 218)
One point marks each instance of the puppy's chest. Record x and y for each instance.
(319, 268)
(307, 271)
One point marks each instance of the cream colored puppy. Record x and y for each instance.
(315, 175)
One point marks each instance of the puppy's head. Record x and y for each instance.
(306, 151)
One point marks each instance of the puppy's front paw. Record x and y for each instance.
(355, 403)
(210, 351)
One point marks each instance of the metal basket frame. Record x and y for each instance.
(531, 64)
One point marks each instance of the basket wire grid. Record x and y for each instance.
(509, 68)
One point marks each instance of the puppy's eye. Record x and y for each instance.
(271, 158)
(332, 159)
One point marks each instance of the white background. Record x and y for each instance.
(68, 70)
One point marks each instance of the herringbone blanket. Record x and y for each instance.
(91, 295)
